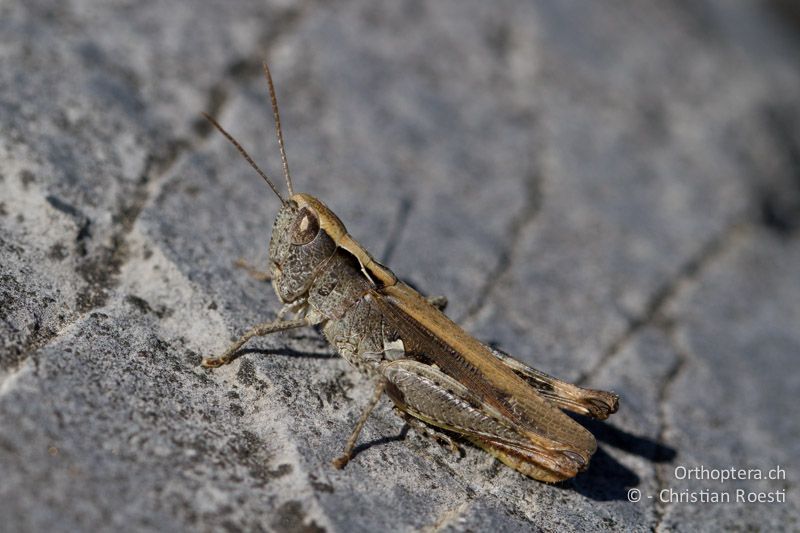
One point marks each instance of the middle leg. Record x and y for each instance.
(341, 461)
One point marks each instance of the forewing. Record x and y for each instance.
(432, 396)
(430, 337)
(589, 402)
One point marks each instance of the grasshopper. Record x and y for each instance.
(442, 381)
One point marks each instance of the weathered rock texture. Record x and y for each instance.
(610, 191)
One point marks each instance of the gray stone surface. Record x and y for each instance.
(610, 191)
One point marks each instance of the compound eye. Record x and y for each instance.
(305, 227)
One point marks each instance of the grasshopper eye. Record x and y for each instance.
(305, 227)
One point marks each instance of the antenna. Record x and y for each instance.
(278, 131)
(245, 155)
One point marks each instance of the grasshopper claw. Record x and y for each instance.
(340, 462)
(213, 362)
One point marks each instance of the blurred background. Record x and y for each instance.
(609, 191)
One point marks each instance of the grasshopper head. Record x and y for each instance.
(306, 233)
(304, 237)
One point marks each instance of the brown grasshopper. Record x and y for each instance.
(442, 380)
